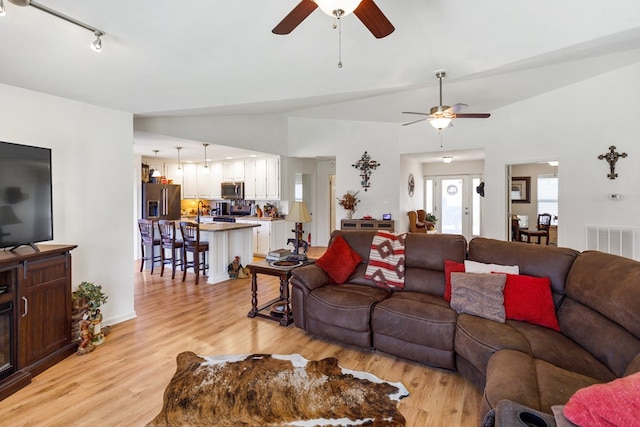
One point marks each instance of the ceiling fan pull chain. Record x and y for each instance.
(339, 42)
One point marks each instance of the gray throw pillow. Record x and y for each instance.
(479, 294)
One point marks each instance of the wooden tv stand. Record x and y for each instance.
(35, 308)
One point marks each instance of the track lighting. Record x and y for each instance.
(96, 45)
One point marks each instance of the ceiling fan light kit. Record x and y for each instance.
(96, 45)
(338, 8)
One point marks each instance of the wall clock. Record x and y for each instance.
(411, 185)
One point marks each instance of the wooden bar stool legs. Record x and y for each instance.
(149, 240)
(192, 244)
(170, 244)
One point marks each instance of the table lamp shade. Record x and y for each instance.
(298, 212)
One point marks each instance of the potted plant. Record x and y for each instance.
(349, 202)
(91, 333)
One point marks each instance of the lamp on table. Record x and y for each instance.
(299, 214)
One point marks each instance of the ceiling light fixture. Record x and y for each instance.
(96, 45)
(447, 159)
(179, 171)
(338, 8)
(205, 170)
(553, 163)
(156, 173)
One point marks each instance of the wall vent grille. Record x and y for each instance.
(613, 240)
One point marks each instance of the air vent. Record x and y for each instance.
(613, 240)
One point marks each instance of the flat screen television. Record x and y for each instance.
(26, 207)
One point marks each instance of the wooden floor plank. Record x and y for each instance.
(122, 382)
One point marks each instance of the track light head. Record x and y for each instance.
(97, 43)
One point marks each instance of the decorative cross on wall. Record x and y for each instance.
(365, 165)
(612, 157)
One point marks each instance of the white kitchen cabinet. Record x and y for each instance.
(273, 178)
(190, 181)
(261, 179)
(216, 180)
(250, 179)
(172, 173)
(269, 236)
(204, 182)
(233, 170)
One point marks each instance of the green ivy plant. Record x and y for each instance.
(92, 293)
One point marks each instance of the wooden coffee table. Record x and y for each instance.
(283, 315)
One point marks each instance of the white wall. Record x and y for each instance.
(348, 141)
(91, 169)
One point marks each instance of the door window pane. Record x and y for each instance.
(548, 196)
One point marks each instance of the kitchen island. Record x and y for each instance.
(226, 241)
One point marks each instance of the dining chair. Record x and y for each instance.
(170, 245)
(148, 240)
(192, 244)
(544, 223)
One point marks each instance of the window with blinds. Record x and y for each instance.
(548, 196)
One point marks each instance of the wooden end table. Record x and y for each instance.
(284, 273)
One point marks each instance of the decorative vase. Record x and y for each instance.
(350, 213)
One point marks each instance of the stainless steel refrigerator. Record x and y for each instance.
(160, 201)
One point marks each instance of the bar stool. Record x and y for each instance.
(171, 244)
(148, 238)
(191, 238)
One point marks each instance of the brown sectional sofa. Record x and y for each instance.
(596, 296)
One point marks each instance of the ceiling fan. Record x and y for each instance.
(441, 116)
(366, 10)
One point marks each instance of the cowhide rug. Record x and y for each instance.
(276, 390)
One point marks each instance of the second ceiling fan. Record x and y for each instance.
(366, 10)
(441, 116)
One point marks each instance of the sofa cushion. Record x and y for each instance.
(532, 382)
(529, 299)
(346, 306)
(339, 261)
(616, 403)
(533, 260)
(479, 294)
(450, 267)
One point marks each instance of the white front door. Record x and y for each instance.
(457, 205)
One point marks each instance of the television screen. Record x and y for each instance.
(26, 209)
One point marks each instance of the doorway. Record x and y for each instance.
(452, 200)
(532, 190)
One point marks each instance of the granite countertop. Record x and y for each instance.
(222, 226)
(262, 218)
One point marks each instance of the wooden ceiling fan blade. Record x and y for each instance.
(373, 18)
(415, 121)
(473, 116)
(295, 17)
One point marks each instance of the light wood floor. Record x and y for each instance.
(122, 382)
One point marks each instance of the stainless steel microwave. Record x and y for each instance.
(233, 190)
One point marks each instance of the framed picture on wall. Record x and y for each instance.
(521, 189)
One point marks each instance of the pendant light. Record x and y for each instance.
(179, 172)
(205, 170)
(156, 173)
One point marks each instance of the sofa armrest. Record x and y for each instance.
(309, 277)
(303, 281)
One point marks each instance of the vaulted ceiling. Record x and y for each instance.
(167, 58)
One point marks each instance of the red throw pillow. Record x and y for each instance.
(339, 260)
(529, 299)
(616, 403)
(450, 267)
